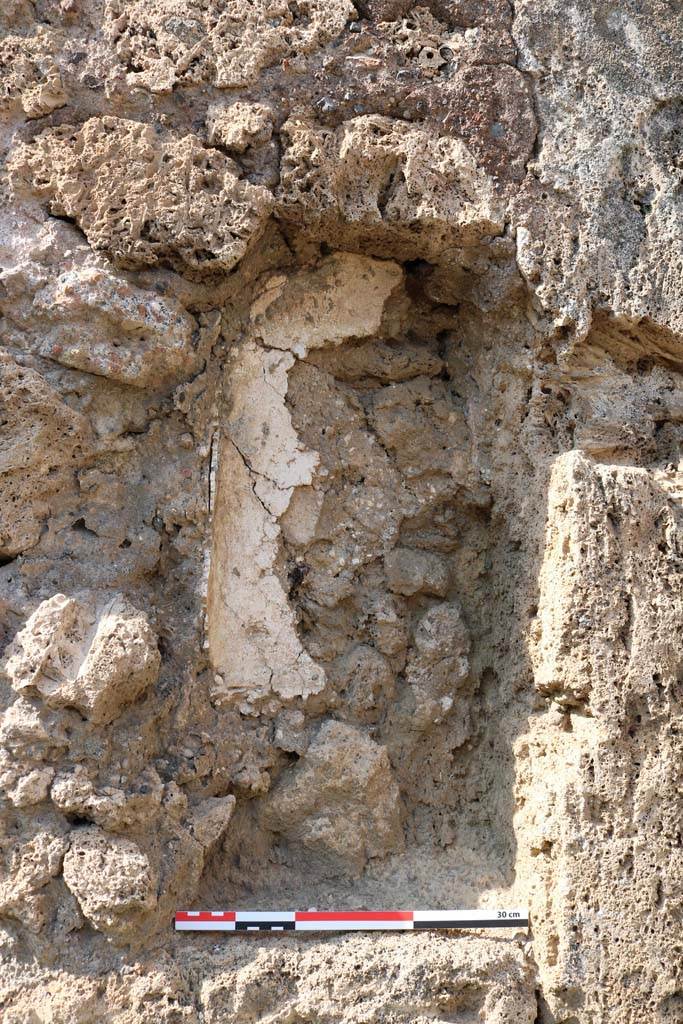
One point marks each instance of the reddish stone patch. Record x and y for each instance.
(491, 109)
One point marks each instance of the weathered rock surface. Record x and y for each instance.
(143, 200)
(42, 442)
(225, 43)
(343, 298)
(95, 659)
(341, 803)
(387, 185)
(98, 323)
(111, 879)
(341, 408)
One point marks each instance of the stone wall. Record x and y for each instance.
(341, 393)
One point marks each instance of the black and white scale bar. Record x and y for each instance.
(345, 920)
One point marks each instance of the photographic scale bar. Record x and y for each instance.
(344, 920)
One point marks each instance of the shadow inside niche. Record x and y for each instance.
(377, 634)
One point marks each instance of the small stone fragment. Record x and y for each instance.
(31, 788)
(410, 572)
(210, 818)
(240, 125)
(438, 671)
(342, 298)
(365, 682)
(99, 323)
(111, 878)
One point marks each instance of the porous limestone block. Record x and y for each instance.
(77, 652)
(31, 787)
(30, 74)
(113, 808)
(239, 125)
(30, 867)
(163, 43)
(396, 978)
(599, 774)
(379, 179)
(111, 878)
(602, 216)
(341, 802)
(42, 439)
(144, 198)
(605, 625)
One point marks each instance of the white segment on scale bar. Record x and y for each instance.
(469, 915)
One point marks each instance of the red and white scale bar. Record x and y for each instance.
(344, 920)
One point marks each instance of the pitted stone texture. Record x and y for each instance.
(30, 868)
(342, 803)
(141, 198)
(600, 773)
(96, 657)
(323, 490)
(239, 125)
(111, 878)
(603, 632)
(402, 980)
(42, 441)
(477, 31)
(599, 220)
(24, 786)
(30, 74)
(406, 979)
(396, 188)
(225, 42)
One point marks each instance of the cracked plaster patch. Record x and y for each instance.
(255, 652)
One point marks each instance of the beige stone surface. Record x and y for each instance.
(96, 658)
(98, 323)
(341, 506)
(225, 43)
(110, 877)
(237, 126)
(342, 803)
(388, 185)
(344, 297)
(30, 75)
(142, 200)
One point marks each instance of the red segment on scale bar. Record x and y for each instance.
(354, 915)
